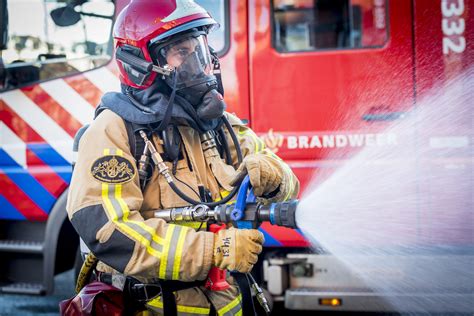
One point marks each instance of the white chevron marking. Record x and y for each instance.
(46, 127)
(70, 100)
(103, 79)
(184, 8)
(13, 145)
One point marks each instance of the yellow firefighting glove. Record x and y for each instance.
(237, 249)
(265, 177)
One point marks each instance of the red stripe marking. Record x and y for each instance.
(45, 175)
(20, 200)
(286, 236)
(53, 109)
(40, 171)
(18, 125)
(85, 88)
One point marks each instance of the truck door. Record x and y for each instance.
(323, 68)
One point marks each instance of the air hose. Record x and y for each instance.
(163, 169)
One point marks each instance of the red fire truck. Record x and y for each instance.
(306, 74)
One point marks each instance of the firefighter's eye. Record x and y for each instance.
(183, 52)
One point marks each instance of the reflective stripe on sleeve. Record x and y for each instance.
(179, 252)
(124, 206)
(169, 250)
(110, 196)
(157, 305)
(118, 212)
(259, 144)
(233, 308)
(172, 252)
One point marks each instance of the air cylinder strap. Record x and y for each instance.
(248, 308)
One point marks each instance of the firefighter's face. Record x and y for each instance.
(177, 54)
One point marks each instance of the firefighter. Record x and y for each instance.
(171, 90)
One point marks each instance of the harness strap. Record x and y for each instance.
(248, 308)
(142, 293)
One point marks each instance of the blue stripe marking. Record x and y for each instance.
(48, 154)
(27, 183)
(7, 161)
(54, 160)
(269, 240)
(301, 233)
(8, 211)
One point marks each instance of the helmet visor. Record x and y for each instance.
(189, 53)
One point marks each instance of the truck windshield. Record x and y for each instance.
(41, 49)
(218, 39)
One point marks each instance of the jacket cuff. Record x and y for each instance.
(208, 255)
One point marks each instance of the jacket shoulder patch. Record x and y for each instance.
(113, 169)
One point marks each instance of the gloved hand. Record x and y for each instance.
(265, 177)
(237, 249)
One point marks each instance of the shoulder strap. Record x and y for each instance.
(75, 145)
(137, 146)
(135, 143)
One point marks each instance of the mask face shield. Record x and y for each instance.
(189, 58)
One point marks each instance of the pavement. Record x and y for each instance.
(11, 304)
(27, 305)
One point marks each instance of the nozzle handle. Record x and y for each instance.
(216, 279)
(244, 197)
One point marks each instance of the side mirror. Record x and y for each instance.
(3, 24)
(65, 16)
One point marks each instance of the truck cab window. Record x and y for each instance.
(218, 38)
(309, 25)
(60, 38)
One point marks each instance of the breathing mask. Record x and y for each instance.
(188, 56)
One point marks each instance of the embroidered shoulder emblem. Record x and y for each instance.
(113, 169)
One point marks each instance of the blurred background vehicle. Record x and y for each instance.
(306, 74)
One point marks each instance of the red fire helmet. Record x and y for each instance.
(143, 22)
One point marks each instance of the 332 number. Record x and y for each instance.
(453, 26)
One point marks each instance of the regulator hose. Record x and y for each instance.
(234, 140)
(225, 144)
(232, 193)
